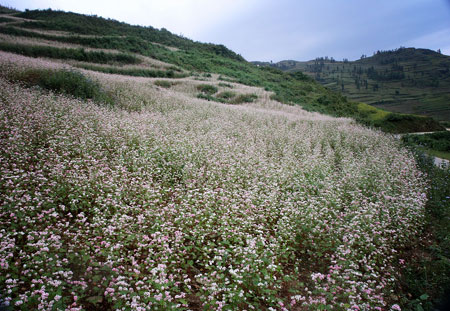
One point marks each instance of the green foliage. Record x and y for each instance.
(406, 123)
(164, 83)
(226, 95)
(7, 10)
(244, 98)
(210, 97)
(223, 84)
(65, 81)
(426, 278)
(137, 72)
(405, 80)
(438, 141)
(4, 19)
(207, 89)
(93, 25)
(66, 53)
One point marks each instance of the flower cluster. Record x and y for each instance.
(187, 204)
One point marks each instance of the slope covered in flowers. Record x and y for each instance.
(166, 201)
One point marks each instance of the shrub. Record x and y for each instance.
(226, 95)
(69, 82)
(6, 19)
(207, 89)
(222, 84)
(164, 83)
(244, 98)
(210, 97)
(65, 53)
(136, 72)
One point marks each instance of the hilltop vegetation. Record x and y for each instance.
(190, 56)
(405, 80)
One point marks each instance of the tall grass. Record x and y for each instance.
(193, 205)
(137, 72)
(66, 53)
(69, 82)
(425, 281)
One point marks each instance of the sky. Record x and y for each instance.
(275, 30)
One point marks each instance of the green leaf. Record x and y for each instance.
(183, 301)
(419, 308)
(95, 299)
(424, 297)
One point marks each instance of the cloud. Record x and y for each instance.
(435, 40)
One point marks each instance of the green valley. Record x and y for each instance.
(405, 80)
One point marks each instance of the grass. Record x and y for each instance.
(136, 72)
(425, 281)
(226, 95)
(68, 53)
(68, 82)
(164, 83)
(439, 154)
(244, 98)
(207, 89)
(373, 113)
(223, 84)
(436, 144)
(4, 19)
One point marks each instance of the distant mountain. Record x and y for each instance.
(405, 80)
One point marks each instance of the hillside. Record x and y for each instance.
(405, 80)
(183, 57)
(144, 171)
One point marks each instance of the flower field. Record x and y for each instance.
(169, 202)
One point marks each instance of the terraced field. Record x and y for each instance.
(406, 80)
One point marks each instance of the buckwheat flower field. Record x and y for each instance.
(169, 202)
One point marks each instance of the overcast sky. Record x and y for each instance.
(282, 29)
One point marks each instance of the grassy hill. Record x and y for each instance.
(186, 57)
(144, 171)
(405, 80)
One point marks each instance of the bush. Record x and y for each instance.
(210, 98)
(164, 83)
(6, 19)
(438, 141)
(222, 84)
(244, 98)
(136, 72)
(226, 95)
(64, 81)
(65, 53)
(207, 89)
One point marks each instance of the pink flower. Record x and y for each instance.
(396, 307)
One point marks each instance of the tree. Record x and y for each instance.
(439, 51)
